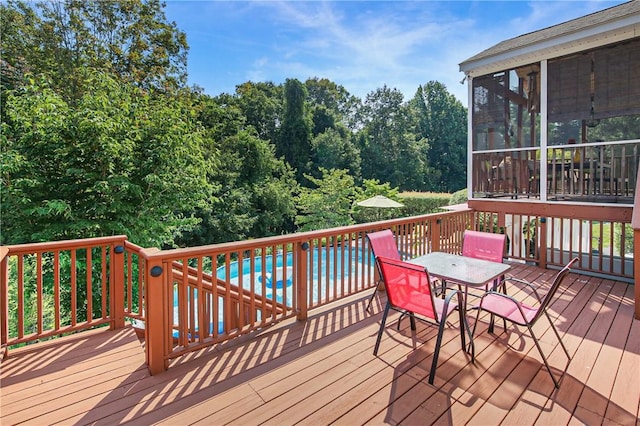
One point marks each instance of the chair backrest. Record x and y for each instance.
(484, 245)
(408, 286)
(383, 243)
(557, 280)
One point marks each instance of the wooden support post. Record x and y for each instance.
(302, 279)
(635, 224)
(542, 242)
(636, 270)
(155, 323)
(4, 302)
(118, 284)
(435, 235)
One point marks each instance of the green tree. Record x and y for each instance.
(255, 197)
(332, 102)
(120, 161)
(262, 106)
(60, 39)
(328, 204)
(390, 148)
(443, 122)
(333, 150)
(294, 143)
(615, 129)
(254, 190)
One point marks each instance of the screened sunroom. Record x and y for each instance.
(555, 115)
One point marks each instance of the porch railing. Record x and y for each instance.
(201, 296)
(552, 234)
(55, 288)
(192, 298)
(596, 172)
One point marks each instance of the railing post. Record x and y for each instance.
(118, 284)
(635, 224)
(542, 242)
(435, 235)
(636, 271)
(154, 314)
(302, 278)
(4, 302)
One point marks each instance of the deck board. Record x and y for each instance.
(323, 371)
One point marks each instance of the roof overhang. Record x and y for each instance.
(554, 47)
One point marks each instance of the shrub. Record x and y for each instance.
(417, 203)
(459, 197)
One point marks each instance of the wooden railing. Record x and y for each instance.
(552, 234)
(237, 288)
(188, 299)
(49, 289)
(134, 281)
(56, 288)
(598, 172)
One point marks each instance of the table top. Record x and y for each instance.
(464, 270)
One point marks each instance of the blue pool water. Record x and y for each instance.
(281, 282)
(335, 261)
(283, 267)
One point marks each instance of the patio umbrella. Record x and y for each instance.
(379, 201)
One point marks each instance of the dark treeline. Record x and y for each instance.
(102, 136)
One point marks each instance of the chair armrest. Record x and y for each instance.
(526, 284)
(448, 299)
(450, 295)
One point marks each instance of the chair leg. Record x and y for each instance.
(436, 352)
(555, 330)
(443, 288)
(504, 291)
(412, 320)
(464, 327)
(475, 324)
(496, 284)
(546, 363)
(375, 291)
(384, 320)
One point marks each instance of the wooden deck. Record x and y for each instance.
(322, 371)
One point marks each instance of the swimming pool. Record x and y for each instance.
(334, 263)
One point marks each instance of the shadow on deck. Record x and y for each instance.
(322, 371)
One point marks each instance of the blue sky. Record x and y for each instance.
(361, 45)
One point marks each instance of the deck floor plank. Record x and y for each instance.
(624, 401)
(388, 369)
(323, 371)
(536, 395)
(379, 373)
(517, 361)
(597, 393)
(584, 358)
(322, 390)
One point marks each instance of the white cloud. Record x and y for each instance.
(358, 44)
(364, 50)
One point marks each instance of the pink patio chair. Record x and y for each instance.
(510, 309)
(382, 243)
(484, 245)
(410, 291)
